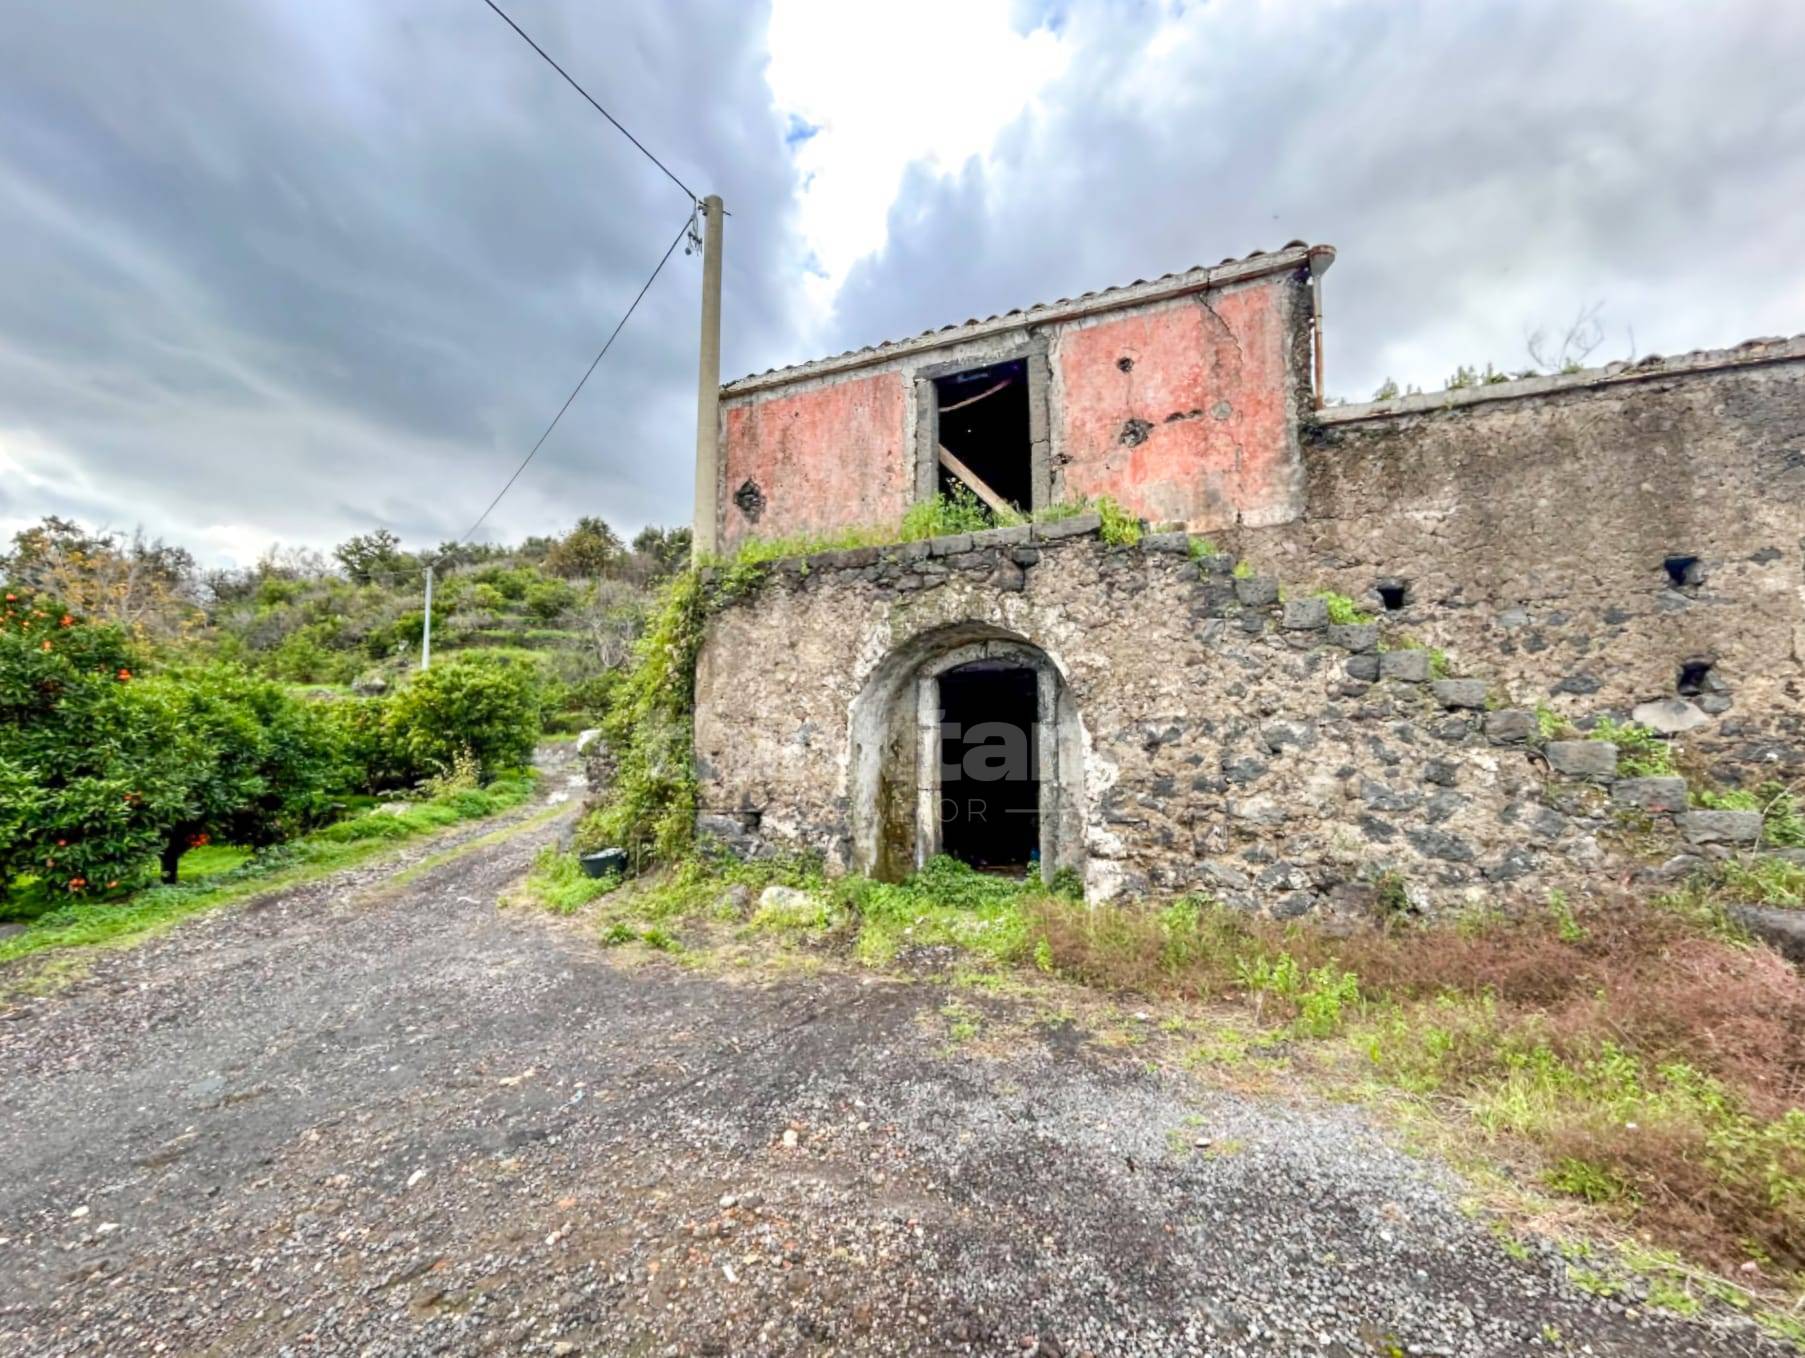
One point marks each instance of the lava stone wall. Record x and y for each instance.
(1534, 526)
(1233, 741)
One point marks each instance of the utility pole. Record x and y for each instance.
(708, 386)
(426, 624)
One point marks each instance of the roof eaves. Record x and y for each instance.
(1198, 279)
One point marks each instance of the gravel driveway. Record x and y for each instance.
(379, 1118)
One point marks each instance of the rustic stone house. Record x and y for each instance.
(1195, 710)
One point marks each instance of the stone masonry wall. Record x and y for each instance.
(1543, 529)
(1233, 741)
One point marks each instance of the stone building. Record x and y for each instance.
(1195, 710)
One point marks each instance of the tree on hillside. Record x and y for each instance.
(143, 585)
(664, 550)
(375, 558)
(589, 550)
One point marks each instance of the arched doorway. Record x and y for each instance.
(966, 741)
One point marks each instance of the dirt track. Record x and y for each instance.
(368, 1118)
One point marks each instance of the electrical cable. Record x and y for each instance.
(669, 250)
(669, 174)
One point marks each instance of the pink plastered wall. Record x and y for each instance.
(1180, 413)
(826, 458)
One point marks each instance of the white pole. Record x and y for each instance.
(426, 624)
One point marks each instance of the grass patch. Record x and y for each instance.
(558, 883)
(1120, 528)
(1342, 608)
(1653, 1067)
(1647, 1062)
(151, 911)
(1641, 753)
(1782, 813)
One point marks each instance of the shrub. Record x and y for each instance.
(488, 705)
(370, 760)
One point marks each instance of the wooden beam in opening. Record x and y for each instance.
(997, 503)
(973, 400)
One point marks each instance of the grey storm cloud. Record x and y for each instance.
(291, 269)
(313, 267)
(1485, 170)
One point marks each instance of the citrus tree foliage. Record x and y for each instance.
(91, 766)
(103, 770)
(259, 764)
(486, 704)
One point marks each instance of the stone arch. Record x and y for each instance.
(895, 756)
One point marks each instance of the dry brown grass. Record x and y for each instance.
(1658, 1067)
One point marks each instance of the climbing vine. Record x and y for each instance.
(649, 727)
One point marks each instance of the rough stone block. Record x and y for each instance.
(1008, 577)
(1025, 556)
(1651, 794)
(1305, 615)
(1720, 827)
(1781, 930)
(1583, 758)
(1462, 693)
(949, 546)
(1510, 725)
(1079, 525)
(1257, 591)
(1354, 636)
(1011, 535)
(1363, 667)
(1410, 666)
(1178, 544)
(1670, 716)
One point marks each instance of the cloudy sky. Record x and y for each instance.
(285, 270)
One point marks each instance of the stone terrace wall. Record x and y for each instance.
(1233, 742)
(1533, 520)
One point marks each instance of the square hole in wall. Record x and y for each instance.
(1691, 680)
(1683, 569)
(1393, 593)
(983, 424)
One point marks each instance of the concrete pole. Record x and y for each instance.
(426, 624)
(708, 385)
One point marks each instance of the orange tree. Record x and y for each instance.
(103, 771)
(91, 766)
(260, 766)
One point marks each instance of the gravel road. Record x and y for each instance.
(372, 1117)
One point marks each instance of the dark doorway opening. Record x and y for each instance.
(984, 424)
(989, 806)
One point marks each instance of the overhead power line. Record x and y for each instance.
(598, 108)
(670, 249)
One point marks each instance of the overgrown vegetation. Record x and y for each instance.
(1647, 1059)
(90, 922)
(651, 809)
(1343, 609)
(149, 709)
